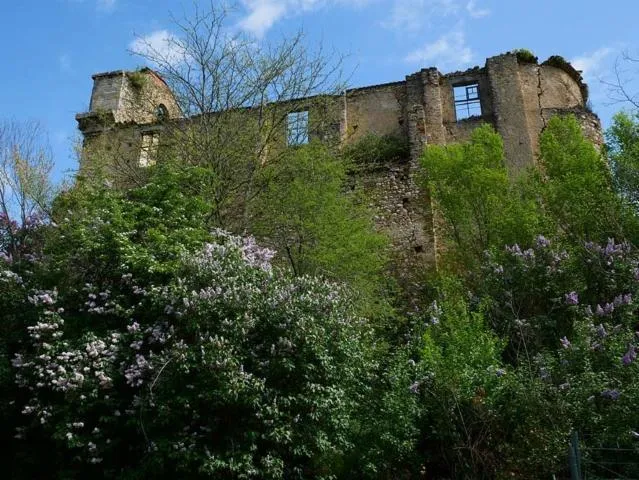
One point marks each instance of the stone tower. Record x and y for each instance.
(125, 117)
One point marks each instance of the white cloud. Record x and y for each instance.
(415, 14)
(263, 14)
(592, 64)
(106, 5)
(448, 51)
(595, 67)
(475, 11)
(160, 45)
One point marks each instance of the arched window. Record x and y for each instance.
(161, 112)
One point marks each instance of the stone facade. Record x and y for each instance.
(516, 98)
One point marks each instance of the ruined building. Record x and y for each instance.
(427, 107)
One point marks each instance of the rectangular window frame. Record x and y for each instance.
(297, 128)
(467, 101)
(148, 149)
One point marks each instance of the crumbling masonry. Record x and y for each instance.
(428, 107)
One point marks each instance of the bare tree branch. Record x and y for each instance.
(26, 190)
(236, 93)
(625, 72)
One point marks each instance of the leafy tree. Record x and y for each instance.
(576, 186)
(481, 208)
(316, 225)
(479, 205)
(459, 370)
(623, 152)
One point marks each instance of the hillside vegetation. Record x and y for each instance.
(141, 340)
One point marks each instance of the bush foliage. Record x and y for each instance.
(139, 340)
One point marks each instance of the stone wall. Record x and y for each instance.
(106, 92)
(378, 110)
(516, 98)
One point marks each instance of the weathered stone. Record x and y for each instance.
(517, 99)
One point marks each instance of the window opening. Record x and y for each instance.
(161, 112)
(297, 128)
(148, 149)
(467, 102)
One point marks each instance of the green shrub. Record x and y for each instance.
(576, 189)
(373, 152)
(316, 225)
(525, 56)
(480, 206)
(137, 79)
(458, 373)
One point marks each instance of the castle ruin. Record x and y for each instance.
(427, 107)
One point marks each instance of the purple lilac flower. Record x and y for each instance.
(611, 248)
(608, 308)
(613, 394)
(601, 331)
(620, 300)
(542, 241)
(599, 311)
(414, 388)
(565, 342)
(255, 255)
(500, 372)
(630, 356)
(515, 250)
(571, 298)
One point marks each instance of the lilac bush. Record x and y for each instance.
(570, 319)
(231, 368)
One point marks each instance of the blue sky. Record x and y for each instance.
(51, 47)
